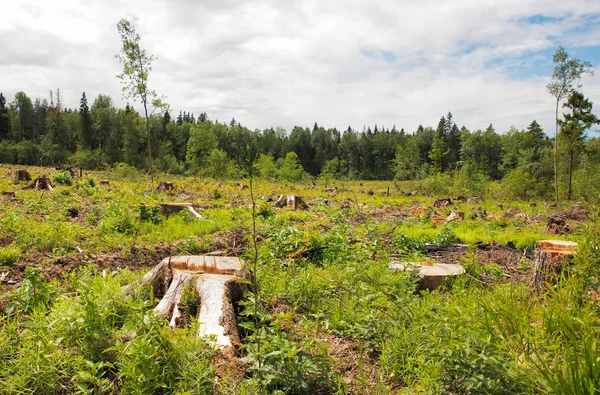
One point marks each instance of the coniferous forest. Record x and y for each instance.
(98, 135)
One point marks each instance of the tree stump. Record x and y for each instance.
(455, 216)
(215, 281)
(550, 258)
(433, 274)
(165, 186)
(21, 175)
(557, 225)
(295, 202)
(42, 183)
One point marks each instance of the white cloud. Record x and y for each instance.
(270, 63)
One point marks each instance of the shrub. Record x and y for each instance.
(9, 255)
(62, 178)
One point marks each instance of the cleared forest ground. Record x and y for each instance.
(332, 318)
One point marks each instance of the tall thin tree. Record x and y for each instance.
(574, 125)
(566, 77)
(137, 64)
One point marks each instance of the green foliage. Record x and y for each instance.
(117, 219)
(31, 294)
(446, 237)
(169, 164)
(62, 178)
(216, 194)
(287, 363)
(290, 168)
(9, 255)
(123, 170)
(519, 184)
(149, 214)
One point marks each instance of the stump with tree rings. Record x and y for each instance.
(433, 274)
(550, 258)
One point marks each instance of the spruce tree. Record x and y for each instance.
(86, 137)
(4, 119)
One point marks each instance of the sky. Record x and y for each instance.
(339, 63)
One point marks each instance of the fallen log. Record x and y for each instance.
(550, 257)
(214, 281)
(171, 208)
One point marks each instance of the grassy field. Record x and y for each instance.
(332, 318)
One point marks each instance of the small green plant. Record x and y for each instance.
(9, 255)
(216, 194)
(34, 292)
(149, 214)
(93, 379)
(62, 178)
(265, 211)
(446, 237)
(189, 300)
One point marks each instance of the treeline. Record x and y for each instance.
(92, 137)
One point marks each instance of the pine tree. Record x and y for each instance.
(4, 119)
(86, 137)
(574, 125)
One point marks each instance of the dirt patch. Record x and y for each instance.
(133, 258)
(359, 371)
(231, 242)
(6, 240)
(385, 213)
(575, 212)
(511, 260)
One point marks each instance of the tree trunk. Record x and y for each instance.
(556, 152)
(550, 258)
(570, 171)
(150, 168)
(215, 281)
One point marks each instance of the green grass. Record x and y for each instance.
(324, 281)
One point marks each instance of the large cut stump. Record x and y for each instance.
(171, 208)
(550, 258)
(215, 280)
(42, 183)
(295, 202)
(21, 175)
(165, 186)
(432, 275)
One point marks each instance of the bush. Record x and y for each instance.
(519, 184)
(169, 164)
(123, 170)
(9, 255)
(62, 178)
(88, 159)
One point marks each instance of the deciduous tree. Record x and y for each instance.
(137, 64)
(566, 77)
